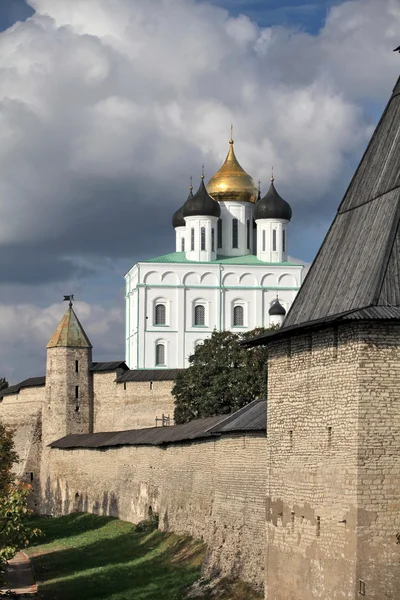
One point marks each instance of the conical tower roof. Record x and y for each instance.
(69, 333)
(356, 273)
(232, 182)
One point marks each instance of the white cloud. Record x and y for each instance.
(25, 330)
(107, 106)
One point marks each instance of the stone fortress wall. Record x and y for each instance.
(211, 489)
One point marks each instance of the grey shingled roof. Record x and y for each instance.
(357, 268)
(27, 383)
(149, 375)
(104, 367)
(251, 418)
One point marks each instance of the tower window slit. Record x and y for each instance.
(183, 244)
(219, 234)
(283, 241)
(263, 240)
(192, 238)
(291, 439)
(329, 437)
(212, 240)
(76, 392)
(76, 366)
(235, 233)
(203, 238)
(248, 233)
(318, 532)
(274, 239)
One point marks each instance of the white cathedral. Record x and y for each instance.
(230, 271)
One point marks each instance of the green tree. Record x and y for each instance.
(14, 532)
(222, 377)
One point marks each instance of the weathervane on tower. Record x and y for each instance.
(69, 298)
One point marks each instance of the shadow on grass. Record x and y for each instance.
(65, 527)
(119, 565)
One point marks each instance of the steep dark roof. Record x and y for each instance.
(177, 217)
(201, 204)
(357, 269)
(69, 333)
(27, 383)
(272, 206)
(104, 367)
(251, 418)
(149, 375)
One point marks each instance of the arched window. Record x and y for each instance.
(160, 354)
(219, 234)
(274, 239)
(199, 314)
(183, 244)
(160, 315)
(235, 239)
(238, 316)
(203, 238)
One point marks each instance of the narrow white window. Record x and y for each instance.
(219, 234)
(274, 239)
(183, 244)
(238, 317)
(160, 354)
(235, 234)
(248, 233)
(263, 240)
(212, 240)
(192, 238)
(203, 238)
(160, 315)
(283, 241)
(199, 315)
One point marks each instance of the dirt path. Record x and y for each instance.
(20, 576)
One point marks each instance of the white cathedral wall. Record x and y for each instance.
(180, 286)
(243, 212)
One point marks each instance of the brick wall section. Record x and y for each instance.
(213, 490)
(334, 464)
(133, 405)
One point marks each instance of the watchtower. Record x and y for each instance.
(69, 388)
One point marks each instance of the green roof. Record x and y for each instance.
(249, 259)
(69, 333)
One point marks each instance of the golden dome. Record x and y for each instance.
(231, 182)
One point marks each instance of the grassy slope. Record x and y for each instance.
(87, 557)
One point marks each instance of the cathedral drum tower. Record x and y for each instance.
(229, 267)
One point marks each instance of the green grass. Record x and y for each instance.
(87, 557)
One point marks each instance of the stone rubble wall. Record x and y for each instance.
(334, 466)
(133, 405)
(212, 489)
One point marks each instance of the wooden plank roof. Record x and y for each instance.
(358, 264)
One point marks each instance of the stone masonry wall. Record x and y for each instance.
(133, 405)
(212, 489)
(334, 465)
(23, 413)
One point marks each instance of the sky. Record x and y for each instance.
(108, 106)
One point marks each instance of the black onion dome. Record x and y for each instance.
(272, 206)
(177, 218)
(201, 204)
(277, 309)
